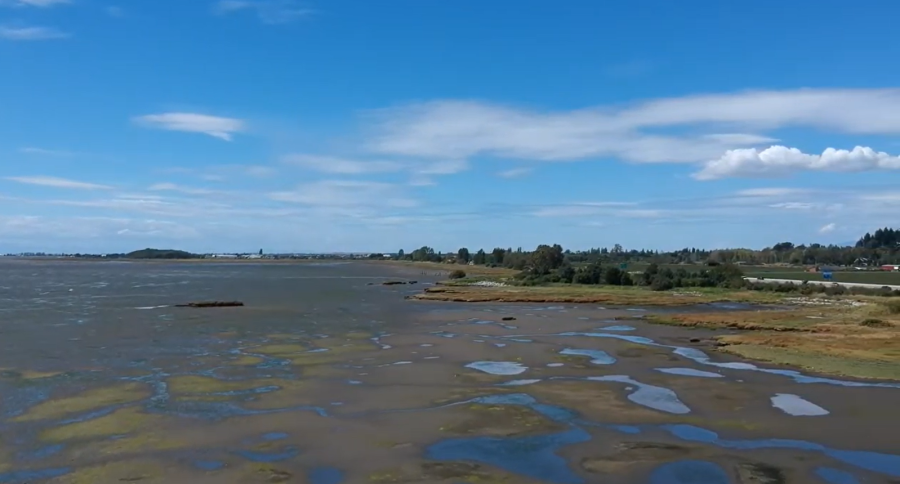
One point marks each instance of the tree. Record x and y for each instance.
(260, 252)
(498, 255)
(462, 256)
(546, 258)
(400, 254)
(480, 258)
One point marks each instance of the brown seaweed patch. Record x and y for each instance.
(628, 454)
(119, 471)
(595, 401)
(85, 401)
(8, 373)
(265, 473)
(246, 360)
(121, 421)
(205, 384)
(441, 471)
(280, 349)
(501, 420)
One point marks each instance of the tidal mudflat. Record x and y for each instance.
(324, 378)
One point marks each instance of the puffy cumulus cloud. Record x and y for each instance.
(779, 161)
(268, 11)
(215, 126)
(31, 33)
(463, 129)
(56, 182)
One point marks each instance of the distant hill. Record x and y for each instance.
(160, 254)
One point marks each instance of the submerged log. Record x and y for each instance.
(211, 304)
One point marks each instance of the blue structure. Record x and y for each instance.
(826, 275)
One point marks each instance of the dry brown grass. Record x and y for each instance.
(613, 295)
(829, 340)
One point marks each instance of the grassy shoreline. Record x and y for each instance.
(848, 336)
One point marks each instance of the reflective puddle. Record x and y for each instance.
(498, 367)
(796, 406)
(689, 372)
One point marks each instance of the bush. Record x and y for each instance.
(457, 274)
(875, 323)
(661, 283)
(893, 307)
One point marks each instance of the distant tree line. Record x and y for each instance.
(872, 249)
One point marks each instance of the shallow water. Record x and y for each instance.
(797, 406)
(221, 391)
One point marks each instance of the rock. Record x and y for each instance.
(759, 473)
(508, 318)
(695, 340)
(211, 304)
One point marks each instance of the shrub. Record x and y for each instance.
(893, 307)
(457, 274)
(875, 323)
(661, 283)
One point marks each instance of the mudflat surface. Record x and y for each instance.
(328, 377)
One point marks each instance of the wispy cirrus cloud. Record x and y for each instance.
(345, 193)
(268, 11)
(55, 182)
(25, 34)
(215, 126)
(726, 127)
(337, 165)
(33, 3)
(31, 150)
(515, 172)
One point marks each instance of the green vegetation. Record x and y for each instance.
(160, 254)
(457, 274)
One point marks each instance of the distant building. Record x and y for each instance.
(224, 256)
(891, 267)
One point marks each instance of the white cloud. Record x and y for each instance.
(31, 33)
(741, 138)
(259, 171)
(719, 123)
(217, 127)
(181, 189)
(515, 172)
(33, 3)
(73, 228)
(343, 166)
(581, 209)
(50, 181)
(45, 152)
(781, 161)
(828, 228)
(345, 193)
(268, 11)
(770, 192)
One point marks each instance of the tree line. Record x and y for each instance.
(872, 249)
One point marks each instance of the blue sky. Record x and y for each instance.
(374, 125)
